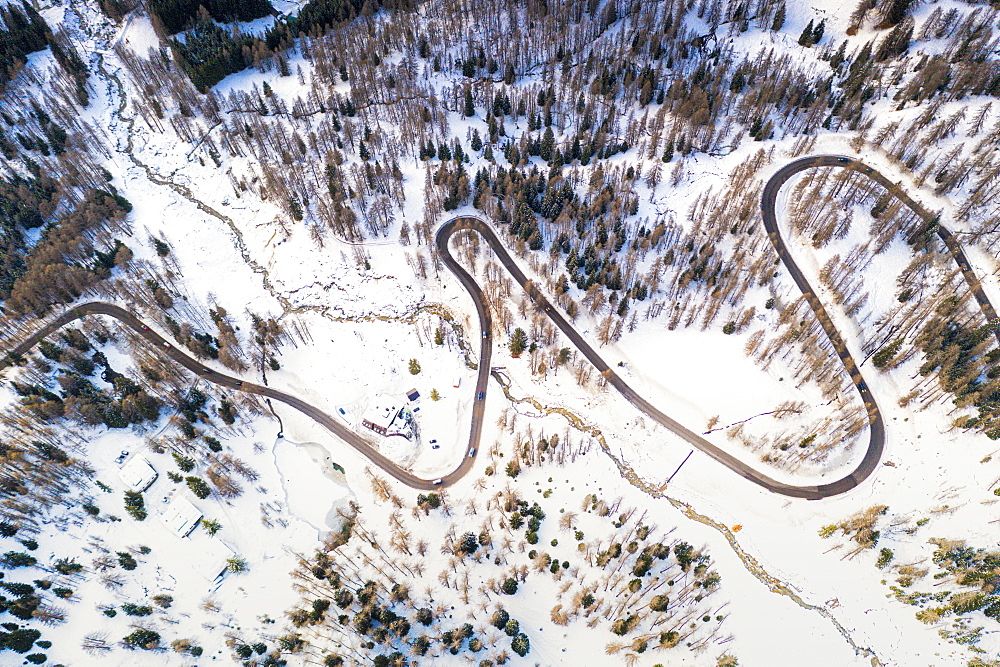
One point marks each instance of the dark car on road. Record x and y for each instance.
(481, 395)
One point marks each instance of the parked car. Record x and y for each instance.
(121, 457)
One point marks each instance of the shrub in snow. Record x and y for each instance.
(291, 643)
(19, 640)
(17, 588)
(469, 544)
(520, 645)
(142, 638)
(509, 586)
(67, 566)
(211, 526)
(16, 559)
(236, 564)
(624, 625)
(126, 560)
(344, 598)
(136, 610)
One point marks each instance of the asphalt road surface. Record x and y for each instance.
(867, 465)
(167, 348)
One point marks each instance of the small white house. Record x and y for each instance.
(181, 516)
(210, 559)
(380, 415)
(137, 474)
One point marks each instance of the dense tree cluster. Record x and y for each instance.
(22, 31)
(79, 398)
(209, 52)
(64, 262)
(24, 204)
(966, 359)
(176, 15)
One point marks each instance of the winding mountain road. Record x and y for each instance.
(813, 492)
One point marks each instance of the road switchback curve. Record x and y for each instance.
(447, 230)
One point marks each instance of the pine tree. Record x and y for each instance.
(520, 644)
(805, 39)
(839, 56)
(499, 618)
(668, 152)
(779, 18)
(548, 141)
(518, 342)
(414, 366)
(211, 526)
(897, 11)
(135, 505)
(198, 487)
(818, 32)
(142, 638)
(470, 107)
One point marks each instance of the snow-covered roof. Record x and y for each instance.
(382, 412)
(181, 516)
(137, 474)
(210, 558)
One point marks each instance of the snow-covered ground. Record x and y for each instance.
(353, 357)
